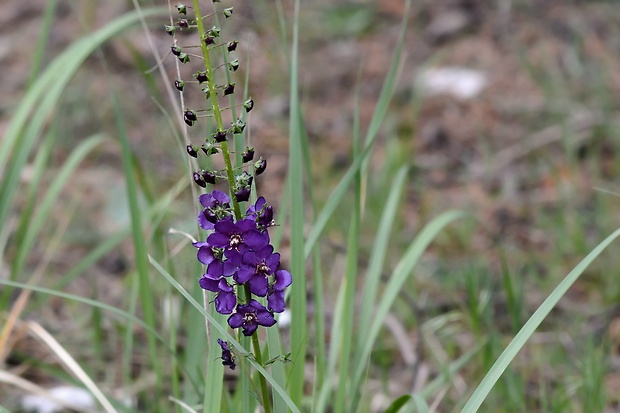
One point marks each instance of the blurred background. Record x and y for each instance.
(508, 109)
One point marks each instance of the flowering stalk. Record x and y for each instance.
(241, 264)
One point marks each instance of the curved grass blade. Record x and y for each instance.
(501, 364)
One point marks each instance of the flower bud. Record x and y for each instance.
(179, 84)
(248, 154)
(191, 151)
(214, 32)
(209, 177)
(209, 40)
(176, 50)
(233, 66)
(243, 194)
(189, 116)
(260, 166)
(228, 12)
(183, 24)
(184, 58)
(207, 92)
(232, 45)
(170, 29)
(201, 76)
(229, 89)
(248, 105)
(199, 180)
(209, 150)
(219, 136)
(181, 8)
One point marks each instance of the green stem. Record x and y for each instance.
(259, 359)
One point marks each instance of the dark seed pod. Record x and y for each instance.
(175, 50)
(199, 180)
(183, 24)
(189, 116)
(201, 76)
(209, 150)
(191, 151)
(209, 40)
(229, 89)
(170, 30)
(184, 58)
(220, 136)
(233, 66)
(248, 105)
(209, 177)
(248, 154)
(179, 84)
(260, 166)
(232, 46)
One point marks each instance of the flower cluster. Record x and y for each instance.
(239, 253)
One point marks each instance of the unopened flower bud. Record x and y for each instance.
(170, 30)
(209, 177)
(243, 194)
(248, 154)
(220, 136)
(201, 76)
(191, 151)
(199, 180)
(181, 8)
(248, 105)
(232, 45)
(214, 31)
(260, 166)
(189, 116)
(229, 89)
(183, 23)
(209, 150)
(207, 91)
(176, 50)
(228, 12)
(234, 65)
(179, 84)
(209, 40)
(184, 58)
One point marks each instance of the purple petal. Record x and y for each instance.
(215, 269)
(209, 284)
(235, 320)
(229, 268)
(225, 303)
(245, 273)
(259, 285)
(206, 200)
(221, 197)
(205, 255)
(256, 239)
(245, 225)
(224, 286)
(265, 252)
(283, 279)
(273, 262)
(203, 222)
(275, 301)
(249, 329)
(250, 258)
(265, 318)
(218, 239)
(254, 306)
(233, 256)
(226, 227)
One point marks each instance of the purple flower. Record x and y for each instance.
(237, 238)
(250, 316)
(225, 300)
(255, 267)
(217, 205)
(227, 356)
(206, 253)
(275, 299)
(261, 213)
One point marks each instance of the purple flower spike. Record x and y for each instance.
(227, 356)
(275, 299)
(237, 238)
(216, 206)
(250, 316)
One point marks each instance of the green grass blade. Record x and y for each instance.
(39, 52)
(225, 335)
(397, 279)
(299, 333)
(493, 375)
